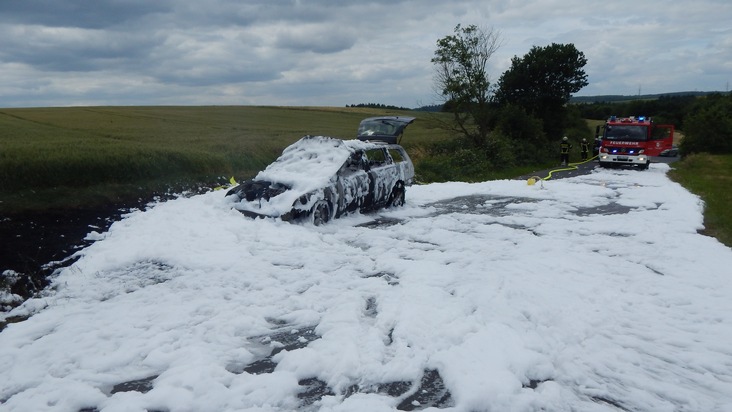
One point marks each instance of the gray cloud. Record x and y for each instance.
(335, 52)
(64, 49)
(78, 13)
(315, 38)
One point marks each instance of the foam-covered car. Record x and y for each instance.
(319, 178)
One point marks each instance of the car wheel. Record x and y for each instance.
(320, 214)
(397, 196)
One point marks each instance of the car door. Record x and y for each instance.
(352, 184)
(381, 173)
(402, 163)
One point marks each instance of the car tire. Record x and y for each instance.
(397, 196)
(320, 214)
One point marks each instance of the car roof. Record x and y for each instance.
(311, 162)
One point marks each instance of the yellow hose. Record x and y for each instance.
(571, 166)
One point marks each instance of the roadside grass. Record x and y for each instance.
(710, 177)
(592, 125)
(86, 156)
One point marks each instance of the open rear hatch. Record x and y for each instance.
(388, 129)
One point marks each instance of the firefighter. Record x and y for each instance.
(564, 149)
(584, 149)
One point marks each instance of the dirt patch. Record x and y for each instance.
(678, 137)
(42, 242)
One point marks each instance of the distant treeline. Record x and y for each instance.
(598, 100)
(617, 98)
(664, 109)
(378, 106)
(430, 108)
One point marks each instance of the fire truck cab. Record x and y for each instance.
(631, 141)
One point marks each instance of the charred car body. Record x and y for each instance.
(320, 178)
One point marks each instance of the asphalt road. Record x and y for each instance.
(578, 169)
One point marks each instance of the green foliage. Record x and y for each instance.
(516, 126)
(451, 159)
(501, 151)
(460, 62)
(576, 128)
(524, 132)
(550, 73)
(710, 177)
(459, 159)
(542, 82)
(707, 126)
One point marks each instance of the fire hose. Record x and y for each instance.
(571, 166)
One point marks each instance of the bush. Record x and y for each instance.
(708, 126)
(521, 134)
(501, 151)
(454, 160)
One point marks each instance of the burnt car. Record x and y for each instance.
(319, 178)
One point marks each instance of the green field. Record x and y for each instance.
(710, 177)
(84, 156)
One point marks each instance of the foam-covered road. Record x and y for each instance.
(593, 292)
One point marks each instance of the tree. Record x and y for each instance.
(707, 126)
(542, 82)
(461, 77)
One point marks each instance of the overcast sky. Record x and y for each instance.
(336, 52)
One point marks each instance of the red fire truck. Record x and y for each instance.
(632, 140)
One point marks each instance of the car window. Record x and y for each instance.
(376, 157)
(356, 161)
(396, 155)
(376, 127)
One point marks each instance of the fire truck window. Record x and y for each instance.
(658, 133)
(629, 133)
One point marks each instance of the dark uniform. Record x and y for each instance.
(584, 149)
(564, 149)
